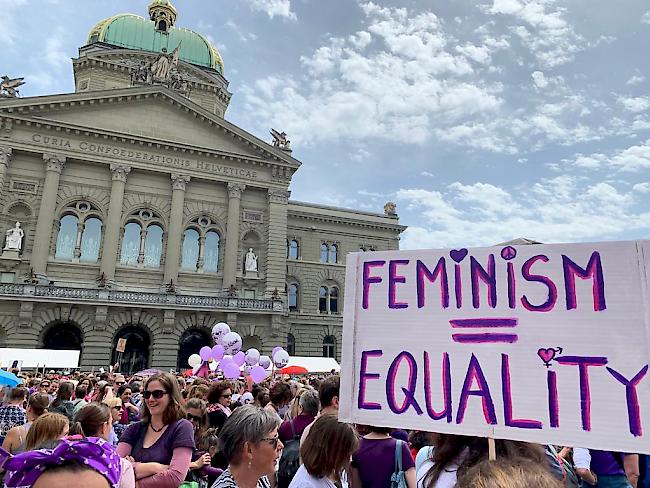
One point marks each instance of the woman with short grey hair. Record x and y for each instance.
(249, 441)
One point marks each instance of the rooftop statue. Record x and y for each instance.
(8, 87)
(280, 140)
(162, 67)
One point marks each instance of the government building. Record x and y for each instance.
(132, 209)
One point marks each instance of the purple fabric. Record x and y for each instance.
(400, 434)
(605, 463)
(178, 434)
(25, 468)
(375, 461)
(300, 423)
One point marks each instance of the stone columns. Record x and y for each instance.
(5, 157)
(175, 231)
(232, 234)
(114, 220)
(43, 235)
(276, 251)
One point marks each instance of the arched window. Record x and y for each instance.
(293, 249)
(291, 344)
(211, 256)
(153, 246)
(190, 253)
(328, 299)
(67, 238)
(136, 353)
(324, 252)
(333, 258)
(329, 346)
(323, 294)
(90, 240)
(191, 341)
(63, 336)
(292, 297)
(131, 243)
(142, 243)
(334, 300)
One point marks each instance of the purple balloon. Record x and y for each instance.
(275, 349)
(231, 371)
(217, 352)
(205, 353)
(265, 362)
(258, 374)
(239, 359)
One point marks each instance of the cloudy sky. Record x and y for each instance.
(485, 120)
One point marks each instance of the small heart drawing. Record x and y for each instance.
(547, 354)
(458, 254)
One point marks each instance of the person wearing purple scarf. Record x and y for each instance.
(90, 463)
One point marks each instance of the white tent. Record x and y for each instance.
(37, 358)
(315, 364)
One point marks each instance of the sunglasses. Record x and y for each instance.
(227, 396)
(44, 385)
(116, 407)
(273, 441)
(119, 383)
(157, 394)
(191, 417)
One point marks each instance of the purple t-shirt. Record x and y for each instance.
(300, 423)
(606, 463)
(178, 434)
(375, 461)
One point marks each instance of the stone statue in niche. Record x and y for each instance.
(251, 261)
(14, 238)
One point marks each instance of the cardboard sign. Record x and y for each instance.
(540, 343)
(121, 345)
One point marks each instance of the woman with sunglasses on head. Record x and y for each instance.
(249, 441)
(161, 444)
(219, 400)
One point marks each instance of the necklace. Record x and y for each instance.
(157, 430)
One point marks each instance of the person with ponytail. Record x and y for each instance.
(16, 437)
(95, 420)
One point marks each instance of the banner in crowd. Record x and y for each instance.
(540, 343)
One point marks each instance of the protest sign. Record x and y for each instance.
(540, 343)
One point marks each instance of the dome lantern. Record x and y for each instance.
(163, 14)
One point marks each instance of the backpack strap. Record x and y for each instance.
(398, 455)
(293, 430)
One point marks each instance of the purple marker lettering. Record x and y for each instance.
(365, 376)
(507, 399)
(512, 287)
(545, 280)
(446, 389)
(440, 271)
(553, 404)
(475, 373)
(458, 286)
(368, 280)
(594, 271)
(488, 277)
(583, 363)
(393, 279)
(409, 393)
(633, 414)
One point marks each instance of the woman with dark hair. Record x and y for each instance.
(130, 413)
(200, 467)
(325, 454)
(374, 462)
(219, 400)
(62, 403)
(94, 420)
(16, 437)
(161, 444)
(455, 454)
(280, 396)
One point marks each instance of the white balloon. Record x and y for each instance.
(265, 362)
(232, 343)
(218, 331)
(281, 359)
(213, 365)
(252, 356)
(194, 360)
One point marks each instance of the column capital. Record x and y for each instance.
(235, 190)
(120, 172)
(179, 181)
(55, 162)
(279, 196)
(6, 154)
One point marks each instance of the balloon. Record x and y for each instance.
(232, 342)
(275, 349)
(281, 359)
(194, 360)
(218, 331)
(246, 398)
(258, 374)
(239, 359)
(213, 365)
(231, 371)
(265, 362)
(252, 357)
(217, 352)
(247, 370)
(205, 353)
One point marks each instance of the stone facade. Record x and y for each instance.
(119, 187)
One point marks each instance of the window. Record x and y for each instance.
(142, 242)
(324, 252)
(329, 346)
(200, 251)
(80, 234)
(291, 344)
(329, 252)
(328, 299)
(292, 249)
(333, 253)
(292, 297)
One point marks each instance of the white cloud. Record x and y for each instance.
(273, 8)
(642, 187)
(551, 210)
(634, 158)
(645, 19)
(635, 104)
(9, 9)
(539, 79)
(427, 174)
(635, 79)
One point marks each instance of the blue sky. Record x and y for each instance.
(485, 120)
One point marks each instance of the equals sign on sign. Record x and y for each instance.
(483, 337)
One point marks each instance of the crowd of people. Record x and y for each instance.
(170, 431)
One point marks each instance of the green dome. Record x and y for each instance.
(135, 32)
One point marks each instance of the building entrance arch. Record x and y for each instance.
(136, 352)
(190, 343)
(63, 336)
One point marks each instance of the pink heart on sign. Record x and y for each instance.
(547, 354)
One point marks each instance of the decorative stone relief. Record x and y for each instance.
(5, 155)
(120, 172)
(55, 162)
(179, 182)
(235, 190)
(279, 196)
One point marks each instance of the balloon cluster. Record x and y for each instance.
(226, 355)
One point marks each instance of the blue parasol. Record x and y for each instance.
(9, 379)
